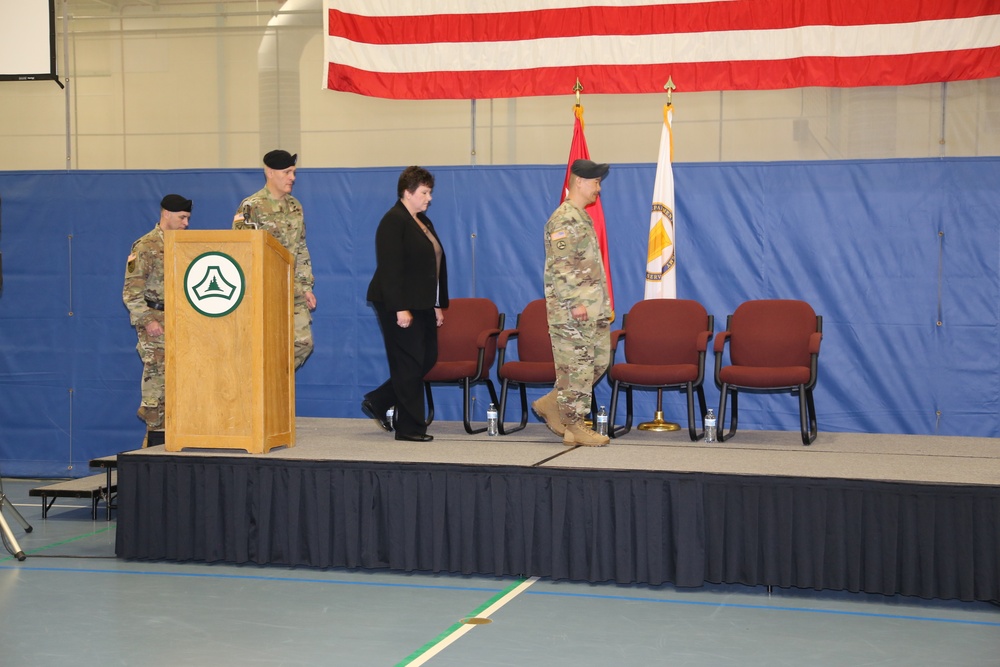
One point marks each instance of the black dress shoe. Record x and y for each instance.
(379, 417)
(414, 437)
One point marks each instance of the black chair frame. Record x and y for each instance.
(521, 386)
(522, 389)
(807, 406)
(691, 388)
(466, 384)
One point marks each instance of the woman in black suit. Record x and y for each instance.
(409, 291)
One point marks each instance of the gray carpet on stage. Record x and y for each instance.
(860, 456)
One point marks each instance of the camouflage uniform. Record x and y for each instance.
(574, 276)
(283, 218)
(142, 292)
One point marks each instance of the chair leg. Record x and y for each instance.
(504, 385)
(736, 411)
(612, 431)
(493, 391)
(721, 419)
(467, 408)
(430, 404)
(692, 431)
(701, 403)
(807, 409)
(496, 403)
(522, 390)
(628, 410)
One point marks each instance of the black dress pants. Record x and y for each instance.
(411, 353)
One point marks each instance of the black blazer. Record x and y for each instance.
(406, 275)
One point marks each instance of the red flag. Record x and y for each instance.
(470, 49)
(578, 151)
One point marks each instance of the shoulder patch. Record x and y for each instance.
(558, 234)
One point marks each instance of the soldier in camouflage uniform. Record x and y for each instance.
(143, 296)
(275, 209)
(578, 306)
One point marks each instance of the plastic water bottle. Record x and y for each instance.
(390, 415)
(602, 421)
(710, 426)
(492, 424)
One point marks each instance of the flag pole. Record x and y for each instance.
(659, 424)
(578, 88)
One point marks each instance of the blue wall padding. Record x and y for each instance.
(884, 250)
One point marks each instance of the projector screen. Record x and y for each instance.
(27, 40)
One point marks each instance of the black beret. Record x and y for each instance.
(280, 159)
(175, 204)
(589, 169)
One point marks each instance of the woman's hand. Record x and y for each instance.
(403, 318)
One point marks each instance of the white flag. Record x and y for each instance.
(661, 266)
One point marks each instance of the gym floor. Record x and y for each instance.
(71, 601)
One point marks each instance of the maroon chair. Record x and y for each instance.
(773, 347)
(467, 346)
(665, 345)
(533, 365)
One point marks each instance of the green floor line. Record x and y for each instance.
(60, 543)
(444, 635)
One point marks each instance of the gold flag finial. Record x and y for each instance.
(670, 88)
(576, 89)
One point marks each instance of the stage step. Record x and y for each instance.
(96, 487)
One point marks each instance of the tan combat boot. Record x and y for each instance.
(548, 409)
(578, 434)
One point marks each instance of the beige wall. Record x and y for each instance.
(180, 85)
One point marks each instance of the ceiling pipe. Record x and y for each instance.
(278, 58)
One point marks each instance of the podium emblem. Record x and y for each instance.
(214, 284)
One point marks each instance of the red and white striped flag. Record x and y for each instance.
(661, 258)
(578, 151)
(483, 49)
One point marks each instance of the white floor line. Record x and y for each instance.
(453, 637)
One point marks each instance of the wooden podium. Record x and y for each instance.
(230, 375)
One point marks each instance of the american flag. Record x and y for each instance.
(482, 49)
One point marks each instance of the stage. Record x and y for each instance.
(890, 514)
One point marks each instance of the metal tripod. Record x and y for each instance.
(8, 536)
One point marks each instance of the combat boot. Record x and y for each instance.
(578, 434)
(548, 409)
(145, 413)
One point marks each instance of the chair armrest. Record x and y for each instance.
(702, 343)
(720, 342)
(506, 335)
(814, 340)
(616, 335)
(720, 346)
(484, 337)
